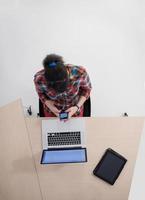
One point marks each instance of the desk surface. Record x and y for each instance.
(23, 177)
(75, 181)
(17, 166)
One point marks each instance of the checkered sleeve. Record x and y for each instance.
(85, 84)
(40, 88)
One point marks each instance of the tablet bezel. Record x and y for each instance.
(109, 150)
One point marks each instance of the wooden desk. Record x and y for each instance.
(75, 181)
(18, 177)
(23, 178)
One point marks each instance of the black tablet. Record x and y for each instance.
(110, 166)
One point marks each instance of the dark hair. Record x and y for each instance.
(56, 73)
(52, 58)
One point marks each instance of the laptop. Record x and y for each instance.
(63, 142)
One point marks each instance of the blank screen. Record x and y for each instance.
(110, 167)
(63, 156)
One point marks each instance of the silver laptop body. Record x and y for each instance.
(53, 130)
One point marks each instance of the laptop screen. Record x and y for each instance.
(64, 156)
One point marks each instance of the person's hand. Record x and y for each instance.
(71, 111)
(52, 107)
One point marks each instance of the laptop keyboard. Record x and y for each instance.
(64, 138)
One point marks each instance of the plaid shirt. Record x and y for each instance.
(79, 85)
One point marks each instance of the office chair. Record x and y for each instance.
(41, 111)
(86, 113)
(87, 108)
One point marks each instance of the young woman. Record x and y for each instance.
(62, 86)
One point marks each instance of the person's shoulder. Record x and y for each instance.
(76, 70)
(39, 75)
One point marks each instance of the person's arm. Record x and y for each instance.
(84, 92)
(72, 110)
(40, 88)
(52, 107)
(85, 85)
(81, 101)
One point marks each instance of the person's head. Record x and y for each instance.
(55, 72)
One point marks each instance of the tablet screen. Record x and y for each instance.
(110, 166)
(64, 156)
